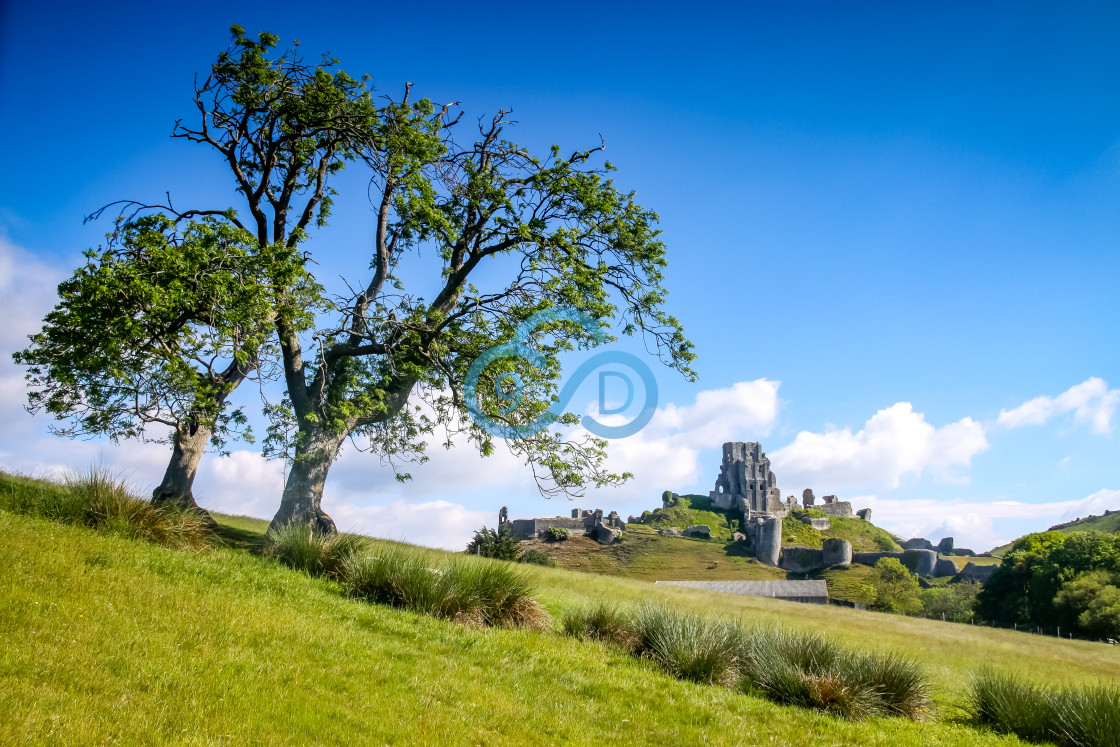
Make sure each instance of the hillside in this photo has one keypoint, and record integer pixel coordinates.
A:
(111, 640)
(642, 553)
(1109, 522)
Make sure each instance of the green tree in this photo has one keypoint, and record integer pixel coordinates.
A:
(156, 330)
(896, 589)
(499, 544)
(1054, 578)
(955, 601)
(1091, 602)
(284, 128)
(504, 235)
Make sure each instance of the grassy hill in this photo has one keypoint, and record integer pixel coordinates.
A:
(642, 553)
(1109, 522)
(105, 639)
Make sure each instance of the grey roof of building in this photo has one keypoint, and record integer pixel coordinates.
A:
(783, 589)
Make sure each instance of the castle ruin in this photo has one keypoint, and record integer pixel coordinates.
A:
(746, 483)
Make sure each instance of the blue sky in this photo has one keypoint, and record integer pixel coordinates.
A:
(898, 208)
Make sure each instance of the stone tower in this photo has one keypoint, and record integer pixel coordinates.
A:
(746, 482)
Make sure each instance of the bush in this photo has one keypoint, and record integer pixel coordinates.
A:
(316, 554)
(603, 622)
(896, 588)
(499, 545)
(557, 534)
(692, 647)
(536, 557)
(101, 500)
(1085, 716)
(470, 592)
(955, 601)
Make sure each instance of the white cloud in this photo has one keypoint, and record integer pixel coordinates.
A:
(27, 293)
(1091, 402)
(665, 455)
(894, 442)
(980, 526)
(431, 523)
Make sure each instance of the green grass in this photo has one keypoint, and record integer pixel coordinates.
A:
(691, 510)
(1110, 523)
(864, 536)
(316, 554)
(802, 669)
(1087, 716)
(644, 554)
(106, 639)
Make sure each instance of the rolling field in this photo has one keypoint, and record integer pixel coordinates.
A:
(109, 640)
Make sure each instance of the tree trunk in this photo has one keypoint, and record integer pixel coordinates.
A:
(178, 480)
(303, 492)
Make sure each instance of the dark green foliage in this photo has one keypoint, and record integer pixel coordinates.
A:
(465, 590)
(536, 557)
(499, 545)
(314, 553)
(955, 601)
(557, 534)
(895, 588)
(158, 327)
(1076, 716)
(1053, 578)
(100, 500)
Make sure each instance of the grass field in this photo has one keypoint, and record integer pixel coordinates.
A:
(109, 640)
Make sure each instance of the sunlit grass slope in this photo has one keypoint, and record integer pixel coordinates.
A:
(108, 639)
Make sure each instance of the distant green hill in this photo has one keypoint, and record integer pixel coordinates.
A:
(1109, 522)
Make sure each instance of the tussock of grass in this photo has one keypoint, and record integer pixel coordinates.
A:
(692, 647)
(800, 669)
(472, 591)
(101, 500)
(602, 622)
(809, 670)
(313, 553)
(1086, 716)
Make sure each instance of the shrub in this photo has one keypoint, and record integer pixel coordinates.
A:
(299, 547)
(536, 557)
(467, 591)
(603, 622)
(557, 534)
(692, 647)
(955, 601)
(499, 545)
(896, 588)
(1085, 716)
